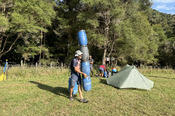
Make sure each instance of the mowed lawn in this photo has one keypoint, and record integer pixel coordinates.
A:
(43, 92)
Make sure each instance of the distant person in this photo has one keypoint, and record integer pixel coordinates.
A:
(107, 61)
(76, 75)
(114, 70)
(91, 64)
(102, 69)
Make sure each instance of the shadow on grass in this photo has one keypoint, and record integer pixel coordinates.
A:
(159, 77)
(103, 81)
(61, 91)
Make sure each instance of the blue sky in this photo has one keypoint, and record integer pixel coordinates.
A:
(165, 6)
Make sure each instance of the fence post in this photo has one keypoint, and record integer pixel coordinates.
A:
(21, 63)
(36, 65)
(51, 64)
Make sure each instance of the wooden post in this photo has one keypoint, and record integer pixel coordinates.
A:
(51, 64)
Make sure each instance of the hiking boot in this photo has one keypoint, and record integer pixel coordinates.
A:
(71, 99)
(83, 100)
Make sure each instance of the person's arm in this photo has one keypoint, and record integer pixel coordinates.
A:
(92, 61)
(78, 70)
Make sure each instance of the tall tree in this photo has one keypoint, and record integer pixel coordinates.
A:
(26, 19)
(107, 14)
(5, 8)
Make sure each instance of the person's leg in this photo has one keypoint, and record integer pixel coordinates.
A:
(79, 87)
(81, 96)
(91, 71)
(80, 91)
(102, 74)
(71, 89)
(99, 72)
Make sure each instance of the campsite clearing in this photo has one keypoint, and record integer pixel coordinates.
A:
(43, 92)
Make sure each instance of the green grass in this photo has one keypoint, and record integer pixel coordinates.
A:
(43, 92)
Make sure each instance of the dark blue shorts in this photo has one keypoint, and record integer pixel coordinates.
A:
(101, 70)
(73, 81)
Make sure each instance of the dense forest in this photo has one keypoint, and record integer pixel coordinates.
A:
(44, 31)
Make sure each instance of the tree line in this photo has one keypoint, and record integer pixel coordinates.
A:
(45, 31)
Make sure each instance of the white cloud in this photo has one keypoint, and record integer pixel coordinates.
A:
(164, 7)
(163, 1)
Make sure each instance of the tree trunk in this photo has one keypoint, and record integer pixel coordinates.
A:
(111, 47)
(41, 46)
(106, 31)
(1, 42)
(2, 52)
(104, 56)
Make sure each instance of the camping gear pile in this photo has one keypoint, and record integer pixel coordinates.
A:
(3, 75)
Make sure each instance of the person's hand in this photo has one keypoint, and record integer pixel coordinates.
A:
(85, 75)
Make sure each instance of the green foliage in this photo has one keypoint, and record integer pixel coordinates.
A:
(4, 24)
(136, 42)
(159, 33)
(167, 51)
(32, 16)
(128, 30)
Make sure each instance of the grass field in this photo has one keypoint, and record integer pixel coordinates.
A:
(43, 92)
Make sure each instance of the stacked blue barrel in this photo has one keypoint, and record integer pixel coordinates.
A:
(75, 89)
(85, 65)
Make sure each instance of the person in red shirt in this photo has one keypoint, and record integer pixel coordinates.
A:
(102, 68)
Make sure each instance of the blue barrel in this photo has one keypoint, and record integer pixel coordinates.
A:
(75, 89)
(87, 83)
(82, 38)
(85, 67)
(105, 74)
(85, 51)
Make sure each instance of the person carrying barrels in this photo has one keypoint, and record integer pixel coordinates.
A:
(76, 75)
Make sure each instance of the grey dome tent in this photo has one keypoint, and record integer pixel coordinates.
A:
(130, 77)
